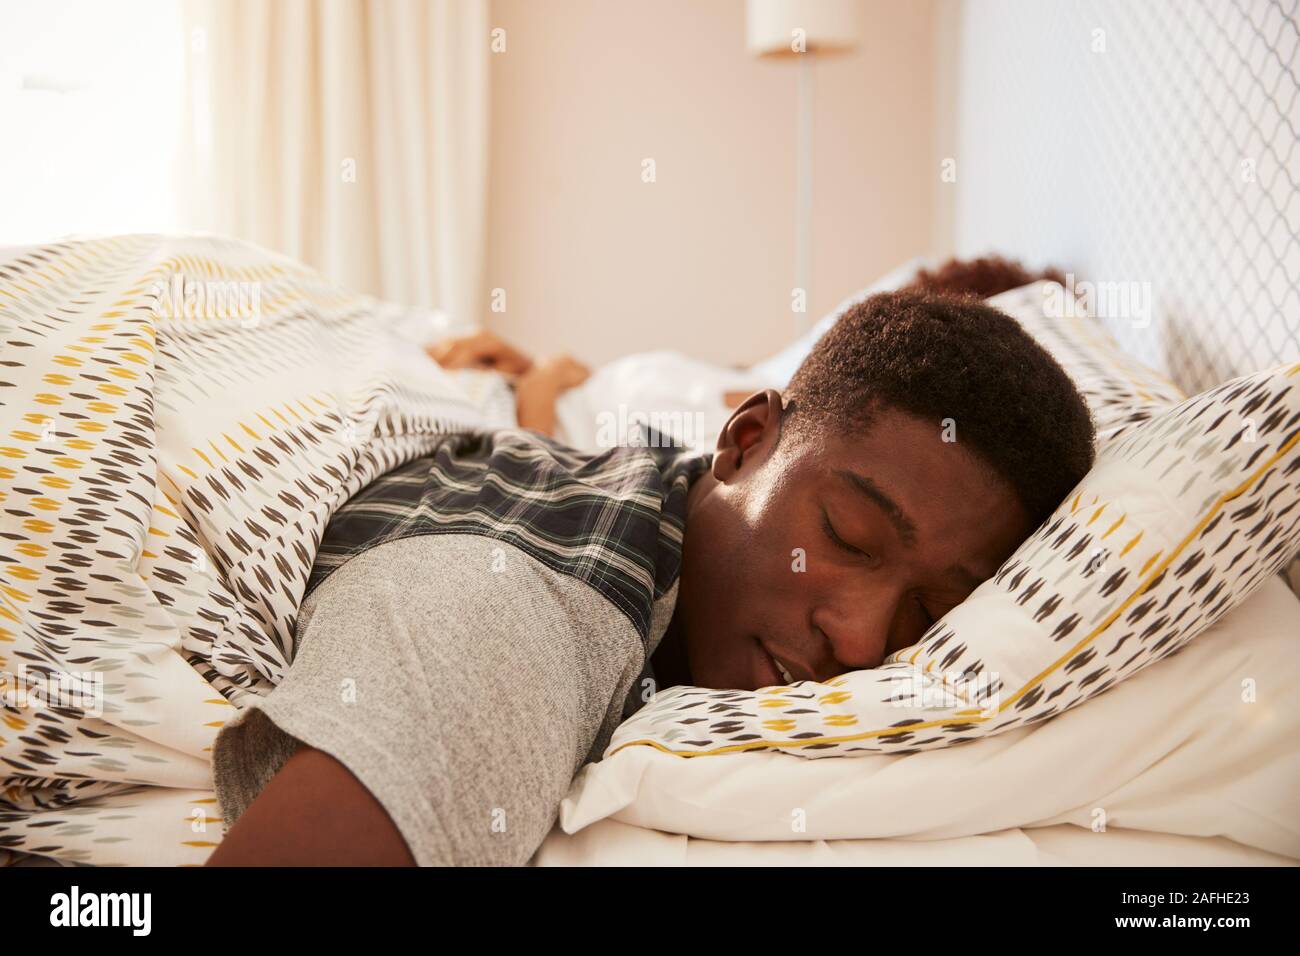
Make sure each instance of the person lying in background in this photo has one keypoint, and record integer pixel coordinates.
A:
(676, 384)
(537, 385)
(479, 620)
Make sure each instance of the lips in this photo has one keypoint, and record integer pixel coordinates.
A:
(785, 672)
(773, 672)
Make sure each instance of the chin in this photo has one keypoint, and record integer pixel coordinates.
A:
(730, 668)
(717, 675)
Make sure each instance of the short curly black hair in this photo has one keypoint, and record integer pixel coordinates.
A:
(943, 357)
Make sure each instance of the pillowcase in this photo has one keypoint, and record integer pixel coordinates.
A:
(1183, 516)
(672, 393)
(1119, 390)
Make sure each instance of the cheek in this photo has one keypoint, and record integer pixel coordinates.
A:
(761, 558)
(781, 572)
(782, 554)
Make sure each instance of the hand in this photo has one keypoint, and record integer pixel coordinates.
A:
(564, 371)
(480, 350)
(538, 389)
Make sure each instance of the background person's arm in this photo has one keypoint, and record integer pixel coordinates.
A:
(538, 385)
(540, 388)
(481, 350)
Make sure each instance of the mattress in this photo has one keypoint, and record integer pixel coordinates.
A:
(611, 843)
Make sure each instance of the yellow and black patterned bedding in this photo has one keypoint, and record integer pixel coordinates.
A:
(179, 417)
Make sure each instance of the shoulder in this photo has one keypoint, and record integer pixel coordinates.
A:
(612, 520)
(476, 581)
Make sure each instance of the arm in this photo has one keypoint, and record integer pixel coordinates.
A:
(314, 812)
(537, 384)
(538, 390)
(480, 350)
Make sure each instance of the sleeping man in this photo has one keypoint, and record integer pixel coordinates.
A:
(479, 620)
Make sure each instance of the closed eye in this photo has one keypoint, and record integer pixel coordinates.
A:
(837, 540)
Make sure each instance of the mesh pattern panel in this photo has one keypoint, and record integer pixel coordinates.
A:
(1149, 142)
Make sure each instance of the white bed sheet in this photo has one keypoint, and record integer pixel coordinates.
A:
(611, 843)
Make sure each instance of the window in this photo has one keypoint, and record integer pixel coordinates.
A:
(91, 98)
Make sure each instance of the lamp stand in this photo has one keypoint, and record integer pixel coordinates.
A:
(803, 189)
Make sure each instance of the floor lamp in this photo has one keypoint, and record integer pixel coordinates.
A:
(802, 29)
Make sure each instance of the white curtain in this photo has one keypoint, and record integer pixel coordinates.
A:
(350, 134)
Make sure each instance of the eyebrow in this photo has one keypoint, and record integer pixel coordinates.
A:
(898, 518)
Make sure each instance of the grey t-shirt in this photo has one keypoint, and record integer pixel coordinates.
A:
(465, 675)
(463, 699)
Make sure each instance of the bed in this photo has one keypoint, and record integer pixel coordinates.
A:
(611, 843)
(1190, 761)
(1195, 799)
(1190, 750)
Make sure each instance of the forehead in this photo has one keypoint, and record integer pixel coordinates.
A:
(958, 506)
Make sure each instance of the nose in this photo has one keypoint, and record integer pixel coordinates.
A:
(857, 619)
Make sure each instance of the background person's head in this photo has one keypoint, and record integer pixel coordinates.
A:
(919, 443)
(982, 278)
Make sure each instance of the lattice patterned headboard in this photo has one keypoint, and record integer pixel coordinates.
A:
(1144, 145)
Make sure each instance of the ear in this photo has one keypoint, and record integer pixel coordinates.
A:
(749, 435)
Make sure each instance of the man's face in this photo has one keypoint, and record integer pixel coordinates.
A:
(825, 555)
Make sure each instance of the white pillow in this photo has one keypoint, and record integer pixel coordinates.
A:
(676, 395)
(1119, 390)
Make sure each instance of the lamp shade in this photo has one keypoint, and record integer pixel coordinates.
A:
(788, 27)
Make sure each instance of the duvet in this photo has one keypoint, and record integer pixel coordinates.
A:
(180, 419)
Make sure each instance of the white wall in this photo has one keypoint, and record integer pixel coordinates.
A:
(1142, 142)
(596, 262)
